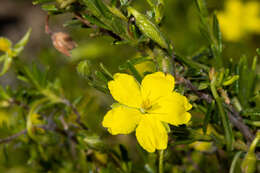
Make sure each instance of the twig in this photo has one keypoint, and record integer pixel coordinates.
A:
(45, 127)
(70, 134)
(234, 116)
(47, 28)
(74, 109)
(188, 83)
(102, 30)
(10, 138)
(86, 22)
(238, 122)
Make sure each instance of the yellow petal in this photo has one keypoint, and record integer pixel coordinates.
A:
(157, 85)
(121, 120)
(151, 134)
(172, 109)
(5, 44)
(125, 89)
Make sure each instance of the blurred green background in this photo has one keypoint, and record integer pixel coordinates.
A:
(181, 25)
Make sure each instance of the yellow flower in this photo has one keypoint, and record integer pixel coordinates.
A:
(146, 108)
(5, 45)
(239, 18)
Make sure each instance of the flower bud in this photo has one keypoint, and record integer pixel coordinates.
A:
(249, 163)
(94, 141)
(63, 42)
(84, 68)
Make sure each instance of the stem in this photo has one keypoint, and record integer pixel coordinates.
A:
(10, 138)
(161, 161)
(225, 121)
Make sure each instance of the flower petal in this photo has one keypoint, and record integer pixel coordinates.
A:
(157, 85)
(121, 120)
(125, 89)
(172, 109)
(151, 134)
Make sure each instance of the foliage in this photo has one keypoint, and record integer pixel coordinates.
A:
(56, 132)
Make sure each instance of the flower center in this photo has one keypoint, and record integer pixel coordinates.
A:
(146, 105)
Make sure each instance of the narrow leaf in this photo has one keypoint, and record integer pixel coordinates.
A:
(20, 45)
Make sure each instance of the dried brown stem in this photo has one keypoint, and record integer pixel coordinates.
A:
(47, 28)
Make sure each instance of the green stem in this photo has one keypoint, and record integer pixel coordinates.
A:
(161, 161)
(224, 118)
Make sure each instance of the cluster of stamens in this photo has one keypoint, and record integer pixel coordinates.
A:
(146, 105)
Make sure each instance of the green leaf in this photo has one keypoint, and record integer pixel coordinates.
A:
(32, 118)
(65, 3)
(50, 8)
(95, 21)
(113, 3)
(217, 32)
(246, 83)
(201, 6)
(234, 162)
(5, 44)
(123, 2)
(6, 65)
(229, 137)
(152, 3)
(135, 61)
(102, 77)
(104, 9)
(106, 72)
(42, 1)
(100, 10)
(93, 7)
(258, 51)
(18, 48)
(72, 23)
(230, 80)
(148, 28)
(207, 116)
(159, 11)
(134, 71)
(3, 94)
(3, 57)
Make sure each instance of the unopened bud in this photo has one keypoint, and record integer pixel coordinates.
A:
(63, 42)
(249, 163)
(94, 141)
(84, 68)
